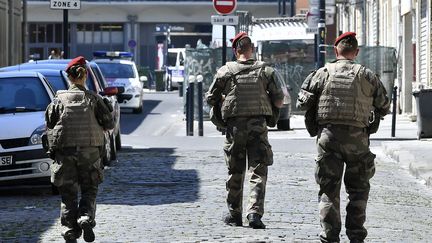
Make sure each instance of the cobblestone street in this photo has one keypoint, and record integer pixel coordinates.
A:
(166, 195)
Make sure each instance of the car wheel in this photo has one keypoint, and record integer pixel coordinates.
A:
(283, 125)
(118, 140)
(138, 110)
(113, 148)
(106, 160)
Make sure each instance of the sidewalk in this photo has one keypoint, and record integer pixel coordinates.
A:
(410, 153)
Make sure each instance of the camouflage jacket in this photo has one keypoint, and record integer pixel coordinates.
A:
(316, 84)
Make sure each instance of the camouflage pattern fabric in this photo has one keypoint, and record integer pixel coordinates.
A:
(339, 145)
(246, 137)
(77, 169)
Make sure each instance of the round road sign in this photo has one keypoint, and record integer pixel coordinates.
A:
(224, 6)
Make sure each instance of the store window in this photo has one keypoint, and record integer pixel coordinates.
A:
(58, 33)
(41, 32)
(105, 33)
(45, 33)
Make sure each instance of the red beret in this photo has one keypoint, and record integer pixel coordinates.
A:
(238, 37)
(76, 61)
(344, 35)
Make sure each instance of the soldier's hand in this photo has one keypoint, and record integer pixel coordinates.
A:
(51, 154)
(108, 104)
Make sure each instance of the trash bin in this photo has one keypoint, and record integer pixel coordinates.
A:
(424, 113)
(160, 84)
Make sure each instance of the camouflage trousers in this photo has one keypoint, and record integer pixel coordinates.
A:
(77, 170)
(339, 145)
(246, 137)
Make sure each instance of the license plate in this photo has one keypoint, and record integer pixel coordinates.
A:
(6, 160)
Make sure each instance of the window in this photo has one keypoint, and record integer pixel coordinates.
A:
(107, 33)
(58, 34)
(33, 33)
(27, 92)
(50, 33)
(57, 82)
(41, 31)
(117, 70)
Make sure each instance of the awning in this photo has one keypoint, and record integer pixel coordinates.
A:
(280, 30)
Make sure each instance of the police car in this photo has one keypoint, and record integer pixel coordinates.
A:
(120, 71)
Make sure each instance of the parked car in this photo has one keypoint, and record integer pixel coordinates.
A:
(119, 70)
(57, 78)
(92, 83)
(285, 111)
(114, 102)
(24, 97)
(175, 67)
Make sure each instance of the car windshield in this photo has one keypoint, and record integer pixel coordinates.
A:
(21, 94)
(172, 59)
(117, 70)
(57, 82)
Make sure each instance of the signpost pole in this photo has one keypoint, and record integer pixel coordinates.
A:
(321, 34)
(224, 44)
(65, 33)
(65, 5)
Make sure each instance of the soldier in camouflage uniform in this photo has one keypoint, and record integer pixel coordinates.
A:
(247, 90)
(344, 94)
(76, 120)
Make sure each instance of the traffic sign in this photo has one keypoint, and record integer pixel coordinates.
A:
(224, 6)
(65, 4)
(132, 43)
(313, 30)
(224, 20)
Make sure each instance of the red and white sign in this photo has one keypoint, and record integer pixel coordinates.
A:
(224, 6)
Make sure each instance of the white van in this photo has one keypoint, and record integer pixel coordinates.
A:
(175, 67)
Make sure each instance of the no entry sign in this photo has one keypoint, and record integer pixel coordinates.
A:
(224, 6)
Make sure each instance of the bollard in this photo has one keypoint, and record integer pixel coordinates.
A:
(187, 110)
(180, 88)
(200, 105)
(190, 107)
(393, 129)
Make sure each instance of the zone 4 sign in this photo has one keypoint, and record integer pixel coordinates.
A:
(65, 4)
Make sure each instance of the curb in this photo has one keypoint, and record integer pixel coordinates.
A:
(420, 168)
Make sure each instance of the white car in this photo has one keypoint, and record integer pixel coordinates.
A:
(24, 97)
(120, 72)
(175, 67)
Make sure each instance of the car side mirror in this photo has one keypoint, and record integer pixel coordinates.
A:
(143, 79)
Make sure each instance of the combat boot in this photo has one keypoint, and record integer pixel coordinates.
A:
(71, 234)
(233, 220)
(255, 221)
(86, 225)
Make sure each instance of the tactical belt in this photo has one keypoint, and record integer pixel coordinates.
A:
(342, 126)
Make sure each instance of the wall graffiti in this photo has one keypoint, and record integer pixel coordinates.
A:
(202, 62)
